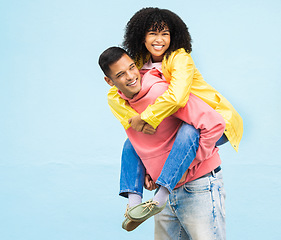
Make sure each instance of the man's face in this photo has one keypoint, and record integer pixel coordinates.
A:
(125, 76)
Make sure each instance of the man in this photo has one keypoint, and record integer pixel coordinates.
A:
(195, 207)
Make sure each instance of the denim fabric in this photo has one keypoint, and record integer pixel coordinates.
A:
(194, 211)
(222, 140)
(132, 171)
(182, 154)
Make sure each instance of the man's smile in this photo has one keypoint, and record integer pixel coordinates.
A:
(132, 83)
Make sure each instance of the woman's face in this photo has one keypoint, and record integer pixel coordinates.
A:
(157, 43)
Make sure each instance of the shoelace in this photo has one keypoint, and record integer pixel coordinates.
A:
(150, 205)
(126, 212)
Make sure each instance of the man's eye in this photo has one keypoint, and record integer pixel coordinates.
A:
(120, 75)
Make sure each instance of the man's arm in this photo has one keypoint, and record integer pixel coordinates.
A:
(125, 114)
(141, 126)
(149, 184)
(210, 123)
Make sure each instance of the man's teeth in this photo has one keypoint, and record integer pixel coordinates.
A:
(132, 83)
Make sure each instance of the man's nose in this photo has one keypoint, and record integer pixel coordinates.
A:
(129, 75)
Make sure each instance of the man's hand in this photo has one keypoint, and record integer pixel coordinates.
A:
(137, 123)
(148, 129)
(141, 126)
(149, 184)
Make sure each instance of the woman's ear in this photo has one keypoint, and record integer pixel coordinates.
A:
(109, 81)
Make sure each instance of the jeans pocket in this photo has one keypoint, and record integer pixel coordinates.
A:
(197, 186)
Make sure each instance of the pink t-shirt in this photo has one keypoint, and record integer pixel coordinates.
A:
(154, 149)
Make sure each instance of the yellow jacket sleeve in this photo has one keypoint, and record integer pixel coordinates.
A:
(181, 72)
(174, 98)
(119, 107)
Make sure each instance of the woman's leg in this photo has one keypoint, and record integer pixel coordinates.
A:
(222, 140)
(182, 154)
(132, 171)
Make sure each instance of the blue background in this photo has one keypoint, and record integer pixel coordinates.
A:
(60, 145)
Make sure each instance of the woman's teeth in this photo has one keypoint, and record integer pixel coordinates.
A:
(158, 47)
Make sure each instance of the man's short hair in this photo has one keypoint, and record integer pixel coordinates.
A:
(109, 57)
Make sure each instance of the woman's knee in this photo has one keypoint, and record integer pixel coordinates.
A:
(189, 130)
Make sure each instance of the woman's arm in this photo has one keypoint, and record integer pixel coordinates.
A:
(120, 108)
(181, 68)
(125, 114)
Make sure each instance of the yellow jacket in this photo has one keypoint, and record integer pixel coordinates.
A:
(180, 71)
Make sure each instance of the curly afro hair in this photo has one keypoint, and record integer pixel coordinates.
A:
(155, 19)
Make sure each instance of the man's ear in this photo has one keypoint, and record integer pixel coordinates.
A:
(109, 81)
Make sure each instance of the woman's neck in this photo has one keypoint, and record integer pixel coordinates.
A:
(156, 60)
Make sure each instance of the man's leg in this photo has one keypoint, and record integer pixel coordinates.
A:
(167, 225)
(199, 207)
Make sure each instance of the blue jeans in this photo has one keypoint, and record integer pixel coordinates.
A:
(182, 154)
(194, 211)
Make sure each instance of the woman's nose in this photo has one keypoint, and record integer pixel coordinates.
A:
(159, 36)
